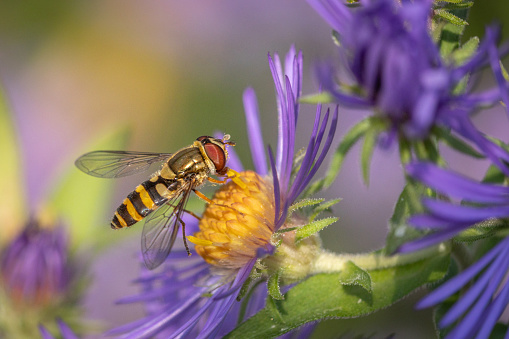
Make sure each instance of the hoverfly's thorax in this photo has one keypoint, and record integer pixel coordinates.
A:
(186, 161)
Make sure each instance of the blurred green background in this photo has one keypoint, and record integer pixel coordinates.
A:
(172, 71)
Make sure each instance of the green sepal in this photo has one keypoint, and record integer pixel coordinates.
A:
(354, 275)
(504, 71)
(367, 154)
(12, 198)
(348, 141)
(336, 38)
(322, 297)
(85, 202)
(323, 207)
(451, 32)
(317, 98)
(273, 287)
(455, 143)
(481, 230)
(466, 51)
(409, 203)
(304, 203)
(453, 1)
(313, 227)
(448, 16)
(494, 176)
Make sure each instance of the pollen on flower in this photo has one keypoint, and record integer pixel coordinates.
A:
(240, 220)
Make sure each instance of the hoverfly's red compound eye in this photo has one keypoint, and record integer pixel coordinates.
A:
(216, 154)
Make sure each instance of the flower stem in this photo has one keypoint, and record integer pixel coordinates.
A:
(328, 262)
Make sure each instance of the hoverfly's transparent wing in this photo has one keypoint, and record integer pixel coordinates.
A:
(116, 164)
(161, 227)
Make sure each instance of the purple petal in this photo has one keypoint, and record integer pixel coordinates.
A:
(476, 314)
(45, 333)
(486, 285)
(334, 12)
(240, 278)
(65, 330)
(495, 311)
(277, 194)
(455, 284)
(426, 221)
(429, 240)
(453, 184)
(254, 132)
(463, 213)
(497, 70)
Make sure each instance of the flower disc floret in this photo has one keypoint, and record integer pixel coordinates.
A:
(238, 222)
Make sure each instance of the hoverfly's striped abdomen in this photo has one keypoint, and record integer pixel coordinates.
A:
(139, 203)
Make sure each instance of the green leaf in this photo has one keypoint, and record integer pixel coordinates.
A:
(367, 154)
(12, 198)
(349, 140)
(354, 275)
(321, 297)
(455, 143)
(85, 202)
(313, 227)
(273, 287)
(409, 203)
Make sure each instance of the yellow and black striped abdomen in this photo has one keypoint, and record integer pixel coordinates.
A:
(146, 198)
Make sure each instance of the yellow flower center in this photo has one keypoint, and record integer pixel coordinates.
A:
(240, 221)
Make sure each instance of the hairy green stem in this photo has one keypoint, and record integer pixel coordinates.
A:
(328, 262)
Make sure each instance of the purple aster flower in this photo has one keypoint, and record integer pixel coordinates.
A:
(196, 297)
(397, 71)
(483, 284)
(34, 267)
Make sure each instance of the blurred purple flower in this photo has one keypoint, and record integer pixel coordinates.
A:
(398, 72)
(487, 291)
(195, 297)
(34, 267)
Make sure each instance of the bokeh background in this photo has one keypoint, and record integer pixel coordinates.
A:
(170, 71)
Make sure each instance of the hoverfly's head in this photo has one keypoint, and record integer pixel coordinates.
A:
(216, 151)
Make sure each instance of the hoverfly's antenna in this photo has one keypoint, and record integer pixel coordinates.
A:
(226, 141)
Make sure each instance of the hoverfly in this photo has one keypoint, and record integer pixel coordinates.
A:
(162, 199)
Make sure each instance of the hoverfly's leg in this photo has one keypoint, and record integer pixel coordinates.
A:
(184, 236)
(215, 181)
(208, 201)
(190, 213)
(202, 196)
(233, 175)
